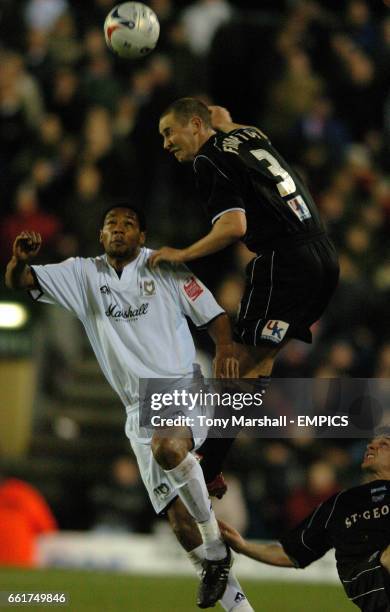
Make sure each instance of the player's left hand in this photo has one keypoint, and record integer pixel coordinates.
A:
(166, 254)
(220, 117)
(225, 364)
(232, 537)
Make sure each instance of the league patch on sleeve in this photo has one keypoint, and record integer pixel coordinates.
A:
(192, 288)
(274, 331)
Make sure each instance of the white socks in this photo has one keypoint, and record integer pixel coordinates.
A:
(212, 539)
(188, 479)
(233, 597)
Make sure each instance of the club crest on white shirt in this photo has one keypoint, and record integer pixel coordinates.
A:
(148, 288)
(105, 289)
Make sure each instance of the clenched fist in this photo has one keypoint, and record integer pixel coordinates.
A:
(26, 246)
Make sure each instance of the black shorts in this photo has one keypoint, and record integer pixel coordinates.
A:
(286, 291)
(368, 586)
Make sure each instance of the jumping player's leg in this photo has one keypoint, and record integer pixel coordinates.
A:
(168, 469)
(285, 293)
(256, 363)
(185, 475)
(188, 534)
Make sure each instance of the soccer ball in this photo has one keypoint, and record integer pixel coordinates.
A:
(131, 29)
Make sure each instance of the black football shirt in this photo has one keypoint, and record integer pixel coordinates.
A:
(241, 170)
(355, 522)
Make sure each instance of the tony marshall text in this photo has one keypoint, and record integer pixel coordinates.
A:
(242, 421)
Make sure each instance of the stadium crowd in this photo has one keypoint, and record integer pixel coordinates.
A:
(79, 128)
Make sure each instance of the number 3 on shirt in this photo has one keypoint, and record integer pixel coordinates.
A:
(286, 186)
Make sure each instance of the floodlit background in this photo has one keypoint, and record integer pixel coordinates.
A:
(78, 128)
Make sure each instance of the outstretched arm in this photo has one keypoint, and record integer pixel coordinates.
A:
(271, 554)
(229, 228)
(18, 273)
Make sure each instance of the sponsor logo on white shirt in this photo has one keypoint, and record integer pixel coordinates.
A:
(126, 314)
(192, 288)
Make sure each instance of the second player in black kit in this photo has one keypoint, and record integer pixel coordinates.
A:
(356, 523)
(291, 280)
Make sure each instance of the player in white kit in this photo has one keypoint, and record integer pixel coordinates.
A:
(134, 318)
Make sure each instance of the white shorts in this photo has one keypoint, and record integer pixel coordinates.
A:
(160, 491)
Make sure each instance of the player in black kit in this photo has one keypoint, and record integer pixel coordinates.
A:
(355, 522)
(252, 194)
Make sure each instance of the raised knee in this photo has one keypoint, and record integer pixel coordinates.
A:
(168, 452)
(385, 558)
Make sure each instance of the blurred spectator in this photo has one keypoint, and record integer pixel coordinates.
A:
(187, 69)
(28, 214)
(19, 89)
(321, 140)
(125, 117)
(50, 135)
(278, 470)
(382, 56)
(100, 87)
(354, 86)
(43, 14)
(98, 148)
(201, 20)
(342, 358)
(321, 484)
(232, 507)
(24, 515)
(292, 95)
(64, 99)
(120, 504)
(359, 25)
(85, 208)
(64, 47)
(341, 460)
(383, 365)
(37, 57)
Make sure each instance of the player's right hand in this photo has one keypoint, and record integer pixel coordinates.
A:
(26, 246)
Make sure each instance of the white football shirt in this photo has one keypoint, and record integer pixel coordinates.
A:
(136, 323)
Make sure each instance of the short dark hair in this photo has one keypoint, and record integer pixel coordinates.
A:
(138, 212)
(185, 108)
(382, 431)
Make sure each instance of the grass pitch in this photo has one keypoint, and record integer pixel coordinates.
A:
(95, 591)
